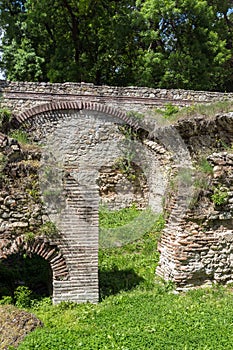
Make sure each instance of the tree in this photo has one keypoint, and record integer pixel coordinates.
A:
(86, 40)
(168, 43)
(186, 44)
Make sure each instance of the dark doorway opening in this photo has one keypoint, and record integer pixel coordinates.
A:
(32, 271)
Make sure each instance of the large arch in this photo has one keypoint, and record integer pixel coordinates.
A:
(64, 124)
(72, 105)
(79, 214)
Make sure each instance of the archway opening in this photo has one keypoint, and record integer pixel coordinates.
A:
(124, 218)
(32, 271)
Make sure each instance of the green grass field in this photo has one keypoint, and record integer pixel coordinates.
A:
(137, 311)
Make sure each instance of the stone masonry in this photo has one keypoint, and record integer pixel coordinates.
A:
(83, 138)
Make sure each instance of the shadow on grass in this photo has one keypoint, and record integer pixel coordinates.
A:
(115, 281)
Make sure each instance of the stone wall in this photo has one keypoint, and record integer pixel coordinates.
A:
(73, 149)
(20, 208)
(122, 185)
(19, 96)
(88, 149)
(23, 221)
(196, 246)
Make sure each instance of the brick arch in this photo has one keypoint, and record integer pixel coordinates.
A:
(42, 248)
(75, 105)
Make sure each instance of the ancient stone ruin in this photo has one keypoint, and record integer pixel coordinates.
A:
(90, 146)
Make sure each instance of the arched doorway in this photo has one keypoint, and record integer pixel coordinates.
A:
(76, 141)
(31, 271)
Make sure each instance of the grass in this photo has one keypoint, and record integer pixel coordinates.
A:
(20, 136)
(172, 113)
(116, 218)
(154, 319)
(207, 110)
(126, 225)
(137, 311)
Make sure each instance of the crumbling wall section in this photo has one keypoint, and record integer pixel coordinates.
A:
(196, 246)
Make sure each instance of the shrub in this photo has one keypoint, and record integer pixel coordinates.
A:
(48, 229)
(23, 296)
(170, 111)
(5, 118)
(29, 236)
(6, 300)
(219, 196)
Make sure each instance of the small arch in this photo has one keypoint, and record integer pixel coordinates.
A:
(32, 271)
(43, 248)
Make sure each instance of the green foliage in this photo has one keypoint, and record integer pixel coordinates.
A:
(20, 136)
(5, 114)
(22, 297)
(6, 300)
(114, 218)
(126, 166)
(125, 163)
(41, 303)
(125, 230)
(185, 44)
(128, 131)
(205, 167)
(136, 311)
(22, 62)
(196, 110)
(170, 111)
(219, 196)
(34, 193)
(139, 320)
(48, 229)
(132, 265)
(5, 118)
(207, 110)
(183, 39)
(29, 236)
(86, 41)
(204, 172)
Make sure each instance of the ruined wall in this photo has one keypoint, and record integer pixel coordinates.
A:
(196, 247)
(74, 148)
(25, 227)
(19, 96)
(83, 160)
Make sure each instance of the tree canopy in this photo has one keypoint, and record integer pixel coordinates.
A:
(157, 43)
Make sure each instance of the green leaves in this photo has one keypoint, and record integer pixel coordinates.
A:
(192, 43)
(219, 196)
(22, 62)
(168, 44)
(134, 320)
